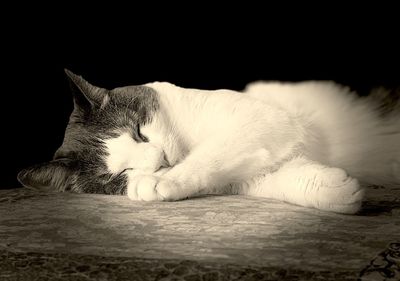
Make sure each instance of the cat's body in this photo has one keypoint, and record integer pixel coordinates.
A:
(304, 143)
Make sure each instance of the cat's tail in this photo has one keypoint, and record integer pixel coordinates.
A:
(376, 146)
(360, 135)
(387, 104)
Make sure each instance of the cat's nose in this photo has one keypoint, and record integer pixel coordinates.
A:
(164, 162)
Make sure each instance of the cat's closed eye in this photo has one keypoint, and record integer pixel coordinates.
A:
(60, 155)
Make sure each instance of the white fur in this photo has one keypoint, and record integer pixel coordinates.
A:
(348, 132)
(293, 142)
(124, 152)
(311, 184)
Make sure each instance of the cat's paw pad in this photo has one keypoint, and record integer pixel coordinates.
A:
(143, 188)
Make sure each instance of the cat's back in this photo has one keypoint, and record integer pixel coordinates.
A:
(321, 98)
(214, 104)
(327, 106)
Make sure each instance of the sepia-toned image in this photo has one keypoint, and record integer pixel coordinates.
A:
(180, 152)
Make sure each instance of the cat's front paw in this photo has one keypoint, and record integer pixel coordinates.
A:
(172, 191)
(154, 188)
(143, 188)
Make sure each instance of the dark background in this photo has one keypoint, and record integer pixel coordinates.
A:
(209, 53)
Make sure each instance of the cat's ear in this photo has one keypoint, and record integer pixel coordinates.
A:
(86, 96)
(56, 175)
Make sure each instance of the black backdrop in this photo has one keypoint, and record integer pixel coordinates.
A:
(36, 101)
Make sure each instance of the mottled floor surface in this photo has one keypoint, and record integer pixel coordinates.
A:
(62, 236)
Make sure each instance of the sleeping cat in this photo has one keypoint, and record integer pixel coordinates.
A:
(307, 143)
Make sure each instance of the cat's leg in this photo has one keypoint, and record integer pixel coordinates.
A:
(308, 183)
(209, 166)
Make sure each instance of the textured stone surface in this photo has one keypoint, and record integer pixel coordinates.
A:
(206, 238)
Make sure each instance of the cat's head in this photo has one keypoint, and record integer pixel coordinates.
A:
(101, 141)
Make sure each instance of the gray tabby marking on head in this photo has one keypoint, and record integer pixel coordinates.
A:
(99, 114)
